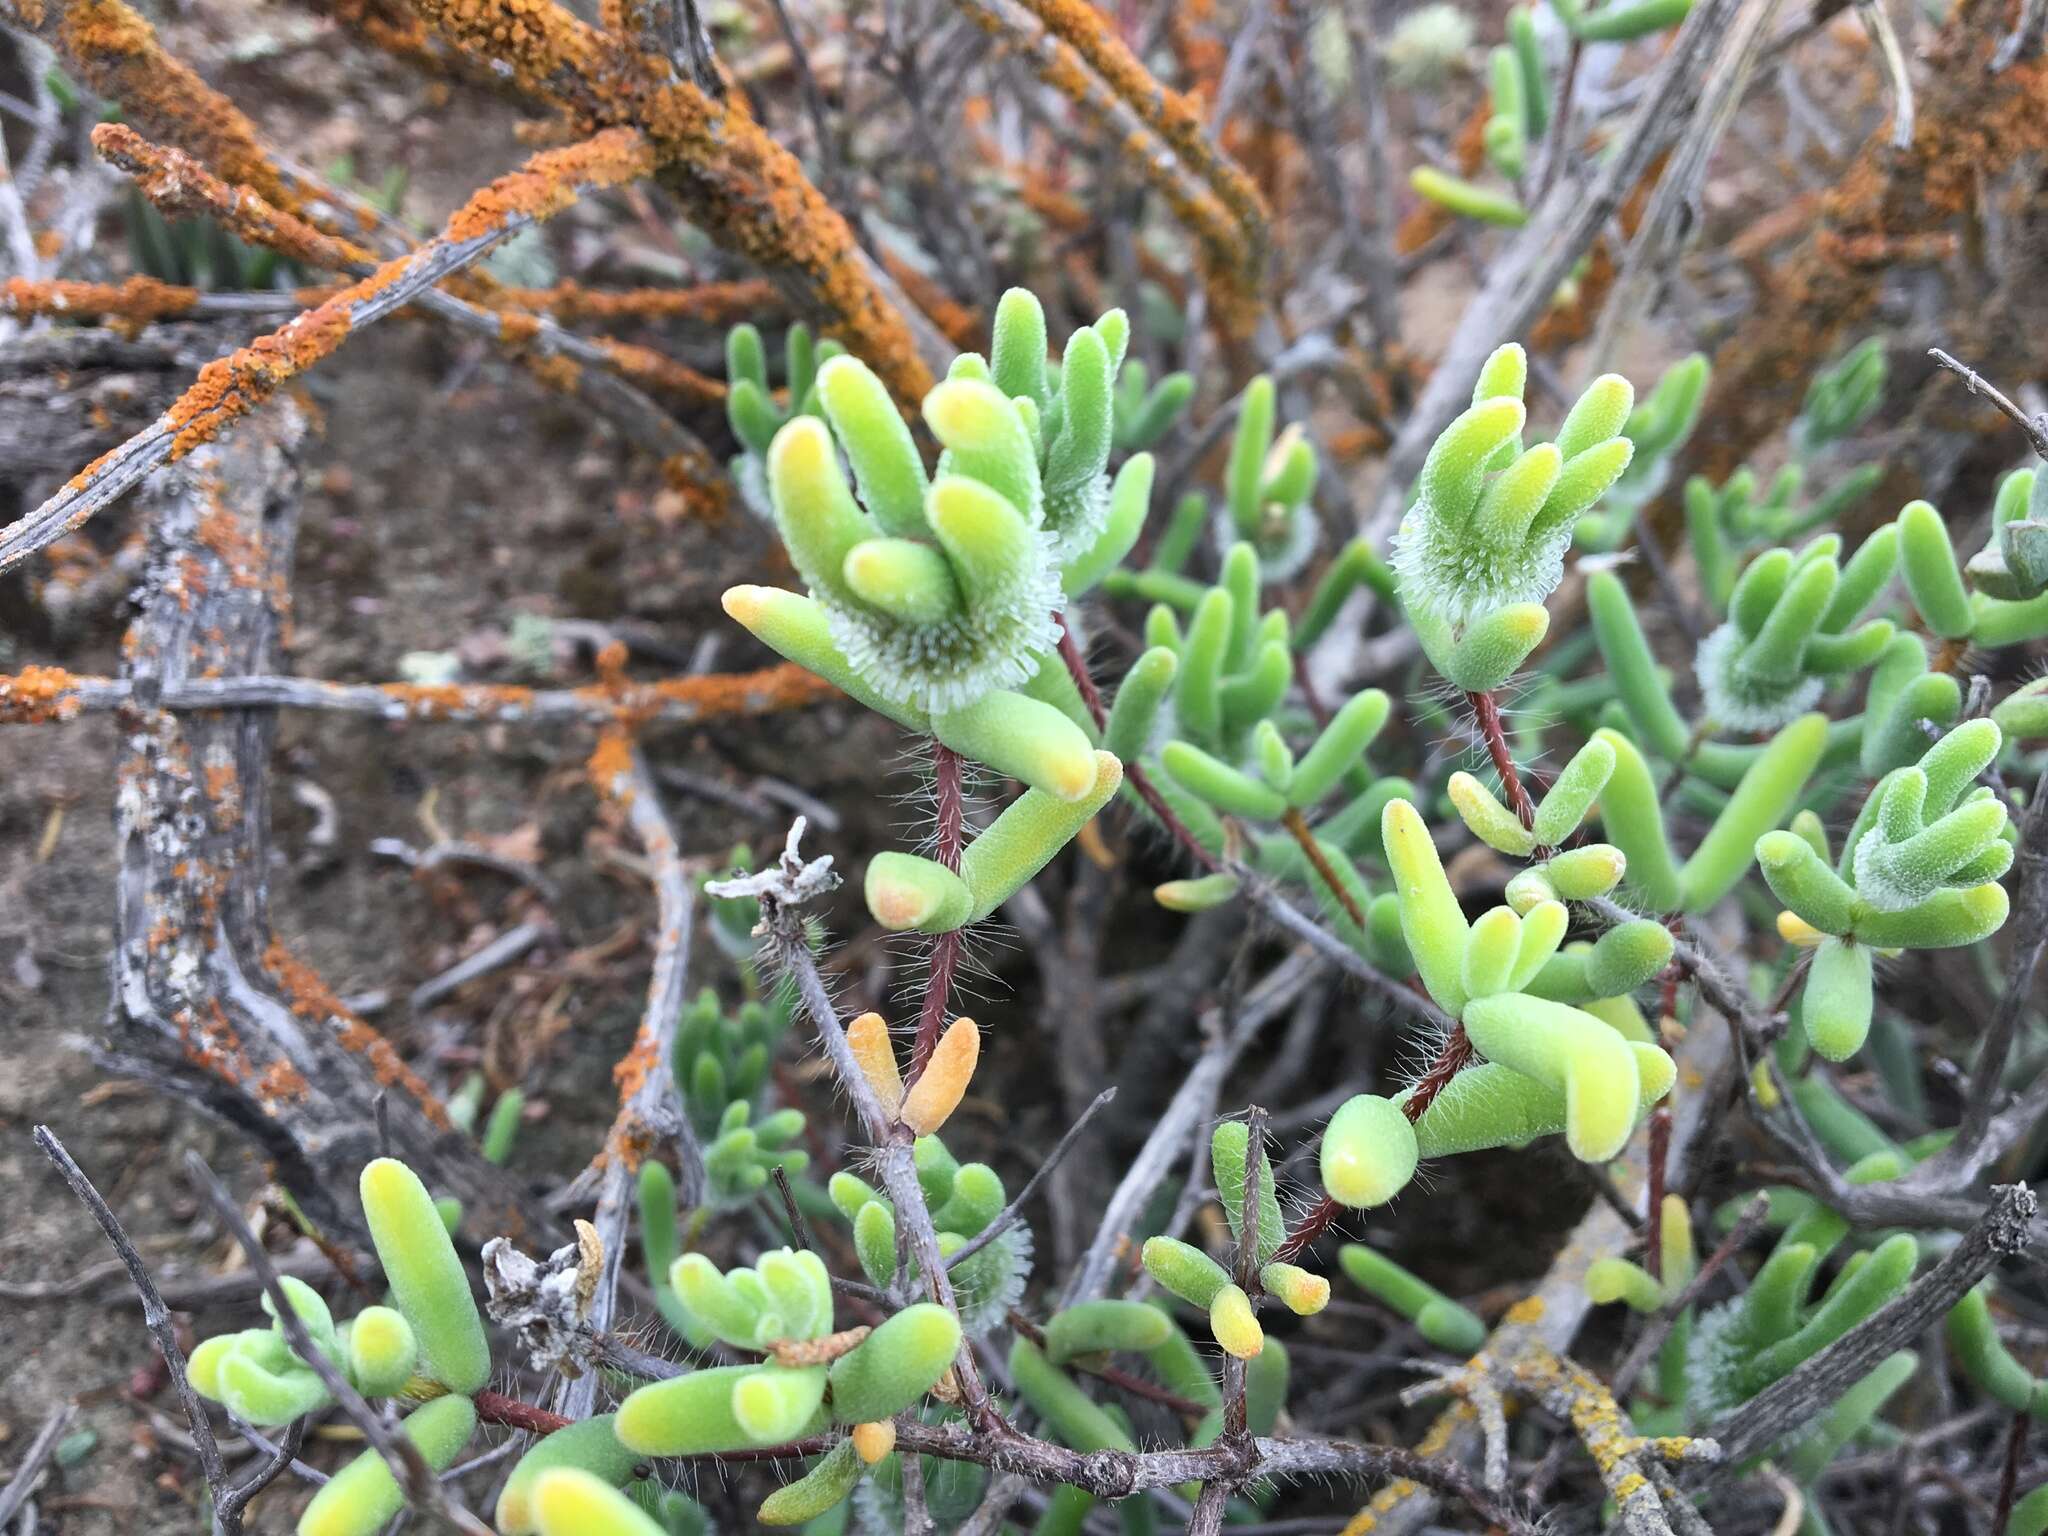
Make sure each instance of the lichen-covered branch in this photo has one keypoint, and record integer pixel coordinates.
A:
(230, 387)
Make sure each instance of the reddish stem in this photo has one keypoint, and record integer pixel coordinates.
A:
(1077, 668)
(1313, 852)
(1313, 1224)
(1456, 1055)
(1496, 740)
(952, 818)
(1660, 1159)
(497, 1408)
(1134, 773)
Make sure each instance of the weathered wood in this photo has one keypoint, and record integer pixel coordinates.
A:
(207, 1003)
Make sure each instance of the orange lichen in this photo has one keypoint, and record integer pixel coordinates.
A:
(310, 999)
(180, 185)
(1971, 126)
(117, 53)
(744, 188)
(232, 386)
(1167, 113)
(131, 304)
(551, 181)
(38, 696)
(662, 375)
(961, 325)
(706, 303)
(610, 765)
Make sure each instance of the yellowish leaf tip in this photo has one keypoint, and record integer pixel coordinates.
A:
(937, 1093)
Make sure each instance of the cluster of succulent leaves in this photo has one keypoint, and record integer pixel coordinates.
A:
(965, 1198)
(1520, 77)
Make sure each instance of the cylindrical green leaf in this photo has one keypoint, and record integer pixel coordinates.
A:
(908, 893)
(358, 1499)
(1432, 921)
(1928, 561)
(1632, 666)
(382, 1351)
(1627, 956)
(1104, 1327)
(886, 464)
(589, 1446)
(1767, 794)
(1633, 818)
(1368, 1152)
(820, 1490)
(1220, 784)
(1184, 1270)
(427, 1280)
(1074, 1418)
(895, 1365)
(1567, 1049)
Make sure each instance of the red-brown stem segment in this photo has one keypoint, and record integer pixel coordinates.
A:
(1134, 773)
(1315, 1221)
(1456, 1055)
(1313, 852)
(497, 1408)
(1496, 740)
(952, 818)
(1077, 668)
(1660, 1158)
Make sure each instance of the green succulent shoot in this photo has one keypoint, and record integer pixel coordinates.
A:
(2013, 564)
(753, 412)
(1795, 621)
(1481, 972)
(1842, 396)
(780, 1305)
(1442, 1321)
(1919, 870)
(1144, 412)
(1269, 483)
(1659, 426)
(965, 1198)
(1485, 541)
(933, 596)
(1521, 96)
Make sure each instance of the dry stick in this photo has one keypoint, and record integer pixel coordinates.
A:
(1523, 281)
(423, 1489)
(782, 921)
(1800, 1397)
(1268, 900)
(651, 1110)
(1013, 1212)
(156, 1317)
(2009, 1477)
(40, 1449)
(179, 185)
(2036, 428)
(1661, 227)
(232, 386)
(42, 694)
